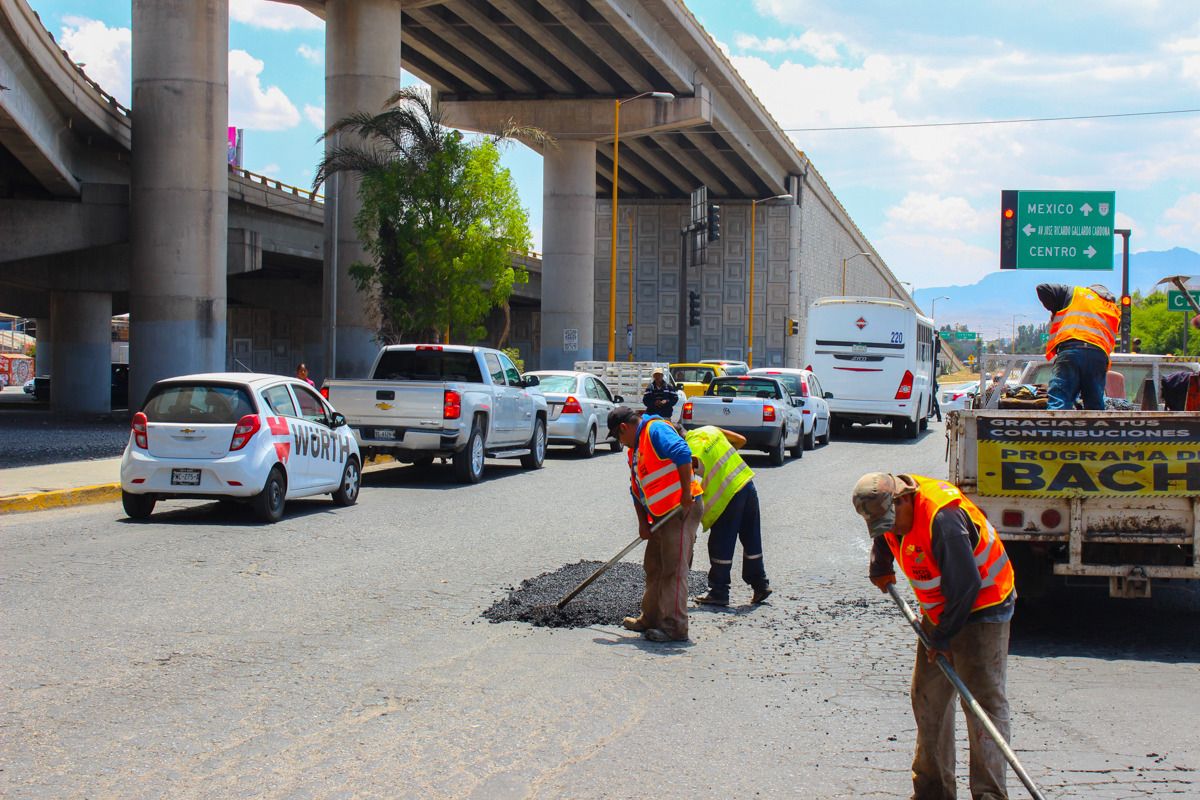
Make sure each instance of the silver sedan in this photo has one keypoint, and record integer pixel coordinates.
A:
(578, 404)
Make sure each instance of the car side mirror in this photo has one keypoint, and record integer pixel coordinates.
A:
(338, 420)
(829, 395)
(618, 399)
(530, 381)
(798, 402)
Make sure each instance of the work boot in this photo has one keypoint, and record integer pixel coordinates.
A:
(634, 624)
(761, 593)
(712, 599)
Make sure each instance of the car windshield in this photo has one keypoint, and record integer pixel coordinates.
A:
(195, 403)
(744, 387)
(556, 383)
(692, 374)
(428, 365)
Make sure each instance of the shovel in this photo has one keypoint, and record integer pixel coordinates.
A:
(608, 565)
(968, 699)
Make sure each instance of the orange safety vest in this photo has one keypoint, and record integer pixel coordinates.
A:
(1089, 318)
(914, 551)
(654, 479)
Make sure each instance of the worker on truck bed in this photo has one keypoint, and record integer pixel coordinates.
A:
(957, 566)
(660, 398)
(730, 513)
(1083, 332)
(665, 493)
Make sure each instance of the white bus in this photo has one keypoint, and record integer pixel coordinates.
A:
(875, 356)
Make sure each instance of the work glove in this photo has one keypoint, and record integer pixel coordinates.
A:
(884, 581)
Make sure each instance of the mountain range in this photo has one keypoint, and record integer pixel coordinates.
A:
(989, 304)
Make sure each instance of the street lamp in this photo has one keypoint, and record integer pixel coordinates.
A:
(844, 262)
(909, 284)
(753, 227)
(612, 270)
(933, 306)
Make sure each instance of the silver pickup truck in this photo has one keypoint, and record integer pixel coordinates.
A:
(755, 406)
(429, 400)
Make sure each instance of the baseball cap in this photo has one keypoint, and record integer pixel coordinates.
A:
(657, 372)
(619, 415)
(874, 497)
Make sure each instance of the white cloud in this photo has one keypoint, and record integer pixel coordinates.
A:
(105, 51)
(932, 212)
(1181, 223)
(270, 170)
(250, 105)
(313, 55)
(273, 16)
(933, 260)
(822, 47)
(315, 115)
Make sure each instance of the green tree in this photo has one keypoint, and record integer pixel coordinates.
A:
(1160, 329)
(440, 218)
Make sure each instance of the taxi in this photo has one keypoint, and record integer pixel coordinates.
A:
(694, 379)
(257, 439)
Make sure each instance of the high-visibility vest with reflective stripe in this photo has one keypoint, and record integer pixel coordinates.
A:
(655, 479)
(725, 473)
(914, 552)
(1089, 318)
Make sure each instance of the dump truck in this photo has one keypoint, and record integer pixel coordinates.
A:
(1085, 496)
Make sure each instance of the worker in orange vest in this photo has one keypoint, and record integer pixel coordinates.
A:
(666, 493)
(1083, 332)
(960, 573)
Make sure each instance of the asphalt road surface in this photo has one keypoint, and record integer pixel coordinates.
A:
(341, 653)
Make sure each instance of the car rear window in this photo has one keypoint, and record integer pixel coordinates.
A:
(735, 369)
(744, 387)
(205, 403)
(428, 365)
(692, 374)
(793, 384)
(556, 383)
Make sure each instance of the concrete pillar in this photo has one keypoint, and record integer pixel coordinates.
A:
(179, 205)
(362, 69)
(81, 325)
(44, 361)
(793, 346)
(569, 253)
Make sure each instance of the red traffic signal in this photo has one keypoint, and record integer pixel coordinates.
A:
(1008, 213)
(1125, 300)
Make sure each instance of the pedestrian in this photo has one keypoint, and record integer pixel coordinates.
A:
(960, 573)
(660, 398)
(665, 493)
(937, 357)
(730, 513)
(1083, 333)
(302, 374)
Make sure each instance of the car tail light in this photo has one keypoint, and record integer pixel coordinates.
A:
(429, 347)
(957, 396)
(809, 368)
(325, 392)
(246, 428)
(1051, 518)
(905, 390)
(572, 406)
(1012, 519)
(687, 410)
(768, 413)
(138, 425)
(451, 404)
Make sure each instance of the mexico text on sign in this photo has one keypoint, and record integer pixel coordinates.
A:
(1056, 230)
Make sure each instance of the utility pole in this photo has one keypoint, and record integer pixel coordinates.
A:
(1126, 307)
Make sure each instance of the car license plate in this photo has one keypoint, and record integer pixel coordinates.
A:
(859, 349)
(385, 433)
(185, 477)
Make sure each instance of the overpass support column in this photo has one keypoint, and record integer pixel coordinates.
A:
(568, 252)
(179, 204)
(81, 325)
(44, 361)
(362, 69)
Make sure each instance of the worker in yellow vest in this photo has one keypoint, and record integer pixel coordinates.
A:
(730, 513)
(958, 569)
(665, 493)
(1083, 332)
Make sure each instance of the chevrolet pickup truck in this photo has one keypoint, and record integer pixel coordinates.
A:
(755, 406)
(429, 400)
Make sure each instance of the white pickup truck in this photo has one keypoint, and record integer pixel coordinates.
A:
(757, 407)
(429, 400)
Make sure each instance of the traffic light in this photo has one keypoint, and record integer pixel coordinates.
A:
(693, 308)
(714, 222)
(793, 327)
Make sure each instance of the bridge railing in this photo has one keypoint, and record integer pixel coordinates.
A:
(272, 183)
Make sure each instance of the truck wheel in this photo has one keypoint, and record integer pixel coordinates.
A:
(537, 447)
(776, 453)
(923, 416)
(911, 429)
(347, 493)
(268, 504)
(468, 462)
(588, 448)
(138, 506)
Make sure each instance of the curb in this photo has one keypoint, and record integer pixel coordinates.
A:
(89, 495)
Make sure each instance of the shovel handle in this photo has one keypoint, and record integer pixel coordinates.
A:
(608, 565)
(968, 698)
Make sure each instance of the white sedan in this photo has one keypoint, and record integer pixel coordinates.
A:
(956, 397)
(578, 404)
(806, 391)
(260, 439)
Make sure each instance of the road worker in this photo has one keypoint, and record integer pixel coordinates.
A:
(730, 513)
(660, 398)
(668, 503)
(1083, 332)
(957, 566)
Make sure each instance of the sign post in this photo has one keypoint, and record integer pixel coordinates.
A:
(1056, 230)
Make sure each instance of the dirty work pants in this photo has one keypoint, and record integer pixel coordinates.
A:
(1078, 371)
(980, 653)
(667, 562)
(739, 521)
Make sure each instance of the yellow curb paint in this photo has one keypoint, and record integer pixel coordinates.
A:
(60, 498)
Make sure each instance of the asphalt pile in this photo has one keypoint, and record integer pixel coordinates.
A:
(614, 595)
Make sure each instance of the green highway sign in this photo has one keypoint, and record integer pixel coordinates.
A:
(1045, 337)
(1177, 302)
(946, 334)
(966, 335)
(1056, 230)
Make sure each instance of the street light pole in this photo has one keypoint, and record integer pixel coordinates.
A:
(845, 261)
(1126, 309)
(612, 248)
(933, 306)
(753, 248)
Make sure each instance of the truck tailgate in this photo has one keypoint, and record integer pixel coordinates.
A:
(736, 412)
(370, 406)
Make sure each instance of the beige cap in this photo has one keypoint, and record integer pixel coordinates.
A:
(873, 498)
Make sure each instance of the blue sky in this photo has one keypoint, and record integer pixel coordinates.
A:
(926, 198)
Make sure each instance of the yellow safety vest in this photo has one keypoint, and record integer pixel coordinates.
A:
(725, 473)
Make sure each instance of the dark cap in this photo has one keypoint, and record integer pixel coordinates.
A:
(619, 415)
(874, 497)
(1102, 290)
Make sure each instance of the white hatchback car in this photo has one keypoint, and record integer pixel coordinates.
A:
(261, 439)
(806, 390)
(578, 404)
